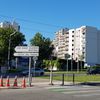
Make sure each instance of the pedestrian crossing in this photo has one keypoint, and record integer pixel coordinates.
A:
(77, 91)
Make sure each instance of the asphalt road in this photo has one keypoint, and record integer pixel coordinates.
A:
(52, 93)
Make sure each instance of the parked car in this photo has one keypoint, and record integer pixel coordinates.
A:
(93, 70)
(34, 72)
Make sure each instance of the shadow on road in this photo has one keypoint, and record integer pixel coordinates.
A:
(91, 83)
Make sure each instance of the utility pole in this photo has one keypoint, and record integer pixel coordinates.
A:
(9, 46)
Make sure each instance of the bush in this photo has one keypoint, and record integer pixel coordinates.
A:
(14, 70)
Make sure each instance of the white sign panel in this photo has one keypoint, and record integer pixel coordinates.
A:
(27, 48)
(26, 54)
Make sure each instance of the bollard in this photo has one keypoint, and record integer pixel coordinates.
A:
(62, 80)
(23, 83)
(73, 78)
(15, 84)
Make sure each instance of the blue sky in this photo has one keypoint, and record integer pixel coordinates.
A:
(48, 16)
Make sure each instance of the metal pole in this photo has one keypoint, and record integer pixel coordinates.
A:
(30, 71)
(73, 78)
(78, 66)
(67, 65)
(16, 62)
(9, 49)
(34, 67)
(71, 64)
(9, 52)
(62, 79)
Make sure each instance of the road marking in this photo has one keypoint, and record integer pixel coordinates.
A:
(81, 91)
(87, 95)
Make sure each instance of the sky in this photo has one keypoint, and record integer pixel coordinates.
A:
(49, 16)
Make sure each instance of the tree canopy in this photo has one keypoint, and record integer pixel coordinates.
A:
(17, 39)
(45, 48)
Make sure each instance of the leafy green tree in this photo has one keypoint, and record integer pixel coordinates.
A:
(57, 64)
(53, 63)
(45, 48)
(17, 39)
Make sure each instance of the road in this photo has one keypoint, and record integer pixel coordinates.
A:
(48, 92)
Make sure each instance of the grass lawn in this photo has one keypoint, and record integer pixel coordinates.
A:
(79, 77)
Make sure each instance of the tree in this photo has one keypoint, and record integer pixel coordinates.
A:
(50, 64)
(17, 39)
(55, 63)
(45, 48)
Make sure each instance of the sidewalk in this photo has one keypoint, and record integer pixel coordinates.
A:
(35, 82)
(44, 82)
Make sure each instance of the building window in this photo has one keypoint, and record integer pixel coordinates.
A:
(67, 41)
(66, 49)
(72, 31)
(72, 44)
(83, 33)
(72, 35)
(67, 33)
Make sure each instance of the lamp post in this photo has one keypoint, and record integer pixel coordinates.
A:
(9, 49)
(67, 56)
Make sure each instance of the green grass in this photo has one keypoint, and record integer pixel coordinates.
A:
(79, 77)
(69, 72)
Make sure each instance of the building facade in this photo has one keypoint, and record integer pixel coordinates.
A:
(82, 44)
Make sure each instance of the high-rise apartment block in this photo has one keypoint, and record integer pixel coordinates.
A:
(81, 44)
(7, 24)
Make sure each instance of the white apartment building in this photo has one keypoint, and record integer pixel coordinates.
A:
(7, 24)
(81, 44)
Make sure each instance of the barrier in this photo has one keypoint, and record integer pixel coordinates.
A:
(15, 82)
(7, 82)
(23, 83)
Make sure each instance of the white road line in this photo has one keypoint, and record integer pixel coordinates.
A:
(87, 95)
(82, 91)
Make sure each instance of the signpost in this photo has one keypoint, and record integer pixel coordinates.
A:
(28, 51)
(34, 54)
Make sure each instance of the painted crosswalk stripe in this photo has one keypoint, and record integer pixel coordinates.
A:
(87, 95)
(81, 91)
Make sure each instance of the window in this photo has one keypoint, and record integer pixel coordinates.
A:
(72, 35)
(66, 49)
(83, 47)
(83, 33)
(67, 33)
(72, 31)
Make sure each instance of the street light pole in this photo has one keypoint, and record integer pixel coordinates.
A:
(9, 49)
